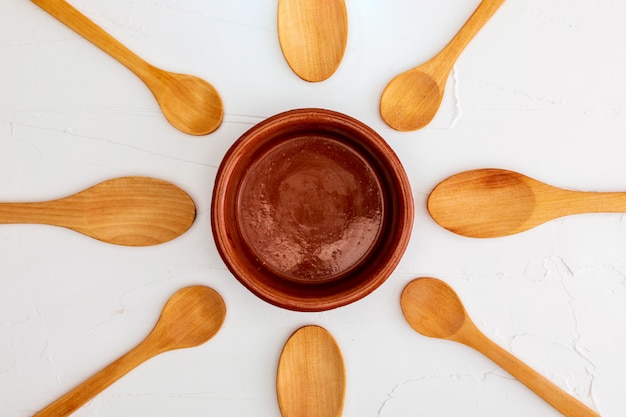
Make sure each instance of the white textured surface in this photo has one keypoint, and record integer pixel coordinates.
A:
(541, 90)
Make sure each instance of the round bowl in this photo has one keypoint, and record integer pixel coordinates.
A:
(311, 210)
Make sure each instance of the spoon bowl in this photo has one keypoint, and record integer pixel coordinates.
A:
(503, 202)
(129, 211)
(432, 308)
(189, 103)
(313, 36)
(191, 317)
(411, 100)
(311, 376)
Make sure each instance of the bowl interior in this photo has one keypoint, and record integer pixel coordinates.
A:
(311, 210)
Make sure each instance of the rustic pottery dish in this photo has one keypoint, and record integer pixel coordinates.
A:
(311, 210)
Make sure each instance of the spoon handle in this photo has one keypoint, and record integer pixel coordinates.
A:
(75, 20)
(555, 396)
(577, 202)
(97, 383)
(485, 10)
(55, 213)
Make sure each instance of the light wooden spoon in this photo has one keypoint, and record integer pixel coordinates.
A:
(130, 211)
(189, 103)
(496, 202)
(433, 309)
(190, 317)
(311, 377)
(411, 100)
(313, 36)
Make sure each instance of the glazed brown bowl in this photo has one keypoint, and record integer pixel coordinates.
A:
(311, 210)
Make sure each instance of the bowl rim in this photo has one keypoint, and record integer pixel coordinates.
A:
(398, 220)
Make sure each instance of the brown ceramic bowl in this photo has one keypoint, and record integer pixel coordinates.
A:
(311, 210)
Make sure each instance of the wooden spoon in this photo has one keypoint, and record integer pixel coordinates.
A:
(190, 317)
(311, 377)
(411, 99)
(433, 309)
(497, 202)
(189, 103)
(313, 36)
(130, 211)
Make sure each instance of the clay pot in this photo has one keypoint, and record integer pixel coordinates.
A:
(311, 210)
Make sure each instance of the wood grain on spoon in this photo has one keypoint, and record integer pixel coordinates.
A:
(491, 202)
(189, 103)
(313, 36)
(190, 317)
(433, 309)
(130, 211)
(411, 100)
(311, 379)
